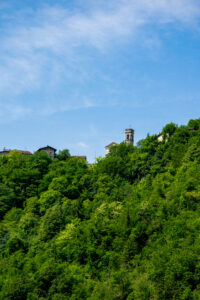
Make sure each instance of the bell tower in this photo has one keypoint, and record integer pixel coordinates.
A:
(129, 136)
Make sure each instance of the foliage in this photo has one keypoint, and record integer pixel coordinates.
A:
(63, 154)
(125, 228)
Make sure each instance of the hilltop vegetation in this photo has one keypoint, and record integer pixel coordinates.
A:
(125, 228)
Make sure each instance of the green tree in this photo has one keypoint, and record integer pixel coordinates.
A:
(63, 154)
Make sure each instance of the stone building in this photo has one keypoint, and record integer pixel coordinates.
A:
(7, 152)
(49, 150)
(129, 139)
(129, 136)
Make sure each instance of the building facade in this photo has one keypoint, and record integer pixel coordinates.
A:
(49, 150)
(129, 139)
(129, 136)
(109, 146)
(7, 152)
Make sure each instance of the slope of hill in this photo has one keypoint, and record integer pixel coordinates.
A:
(125, 228)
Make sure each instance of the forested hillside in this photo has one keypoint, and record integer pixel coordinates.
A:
(127, 227)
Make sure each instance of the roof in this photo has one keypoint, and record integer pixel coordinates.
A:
(43, 148)
(20, 151)
(111, 144)
(24, 152)
(129, 129)
(6, 150)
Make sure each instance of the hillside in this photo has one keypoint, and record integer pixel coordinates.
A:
(126, 228)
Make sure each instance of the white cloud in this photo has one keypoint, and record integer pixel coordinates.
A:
(51, 45)
(58, 29)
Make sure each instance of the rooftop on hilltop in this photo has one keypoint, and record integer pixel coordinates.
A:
(46, 147)
(49, 150)
(111, 144)
(7, 151)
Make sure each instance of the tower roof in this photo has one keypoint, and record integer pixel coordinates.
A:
(129, 129)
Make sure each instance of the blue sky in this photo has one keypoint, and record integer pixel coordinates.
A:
(74, 74)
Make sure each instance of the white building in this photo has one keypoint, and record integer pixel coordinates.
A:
(109, 146)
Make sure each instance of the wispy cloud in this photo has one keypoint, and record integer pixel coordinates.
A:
(58, 30)
(49, 108)
(12, 111)
(82, 145)
(51, 43)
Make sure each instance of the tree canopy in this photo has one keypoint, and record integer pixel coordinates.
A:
(124, 228)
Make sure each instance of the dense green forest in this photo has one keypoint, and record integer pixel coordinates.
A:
(127, 227)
